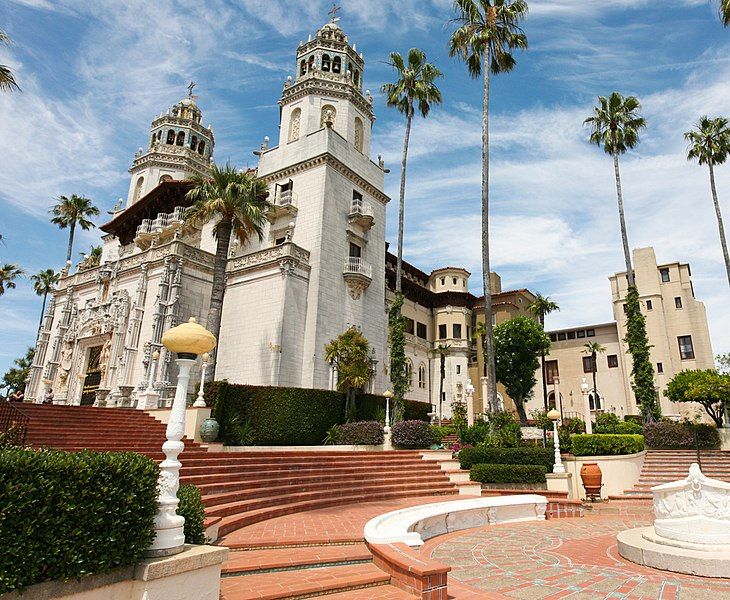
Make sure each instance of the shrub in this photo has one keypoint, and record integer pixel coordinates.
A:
(191, 507)
(64, 515)
(504, 430)
(369, 406)
(597, 444)
(441, 431)
(638, 419)
(507, 456)
(672, 435)
(489, 473)
(12, 437)
(475, 434)
(610, 423)
(362, 432)
(413, 434)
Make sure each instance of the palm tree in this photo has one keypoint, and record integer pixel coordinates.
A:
(443, 350)
(414, 84)
(236, 200)
(72, 211)
(615, 125)
(350, 354)
(43, 284)
(90, 259)
(709, 144)
(488, 31)
(725, 12)
(592, 349)
(541, 306)
(8, 274)
(7, 80)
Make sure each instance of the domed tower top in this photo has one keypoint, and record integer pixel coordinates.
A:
(179, 147)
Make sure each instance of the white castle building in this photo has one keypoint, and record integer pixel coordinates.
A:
(319, 269)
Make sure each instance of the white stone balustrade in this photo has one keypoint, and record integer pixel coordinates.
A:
(357, 266)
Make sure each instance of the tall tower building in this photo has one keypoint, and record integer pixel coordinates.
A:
(179, 147)
(320, 266)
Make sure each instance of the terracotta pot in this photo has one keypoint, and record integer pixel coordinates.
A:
(591, 475)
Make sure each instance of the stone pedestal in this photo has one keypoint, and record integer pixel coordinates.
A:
(560, 482)
(148, 400)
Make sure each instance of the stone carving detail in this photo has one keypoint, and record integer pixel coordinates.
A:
(356, 287)
(277, 253)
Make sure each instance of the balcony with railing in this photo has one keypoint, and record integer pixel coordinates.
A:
(358, 274)
(161, 227)
(284, 203)
(361, 213)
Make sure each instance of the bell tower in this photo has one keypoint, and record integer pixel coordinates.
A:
(179, 147)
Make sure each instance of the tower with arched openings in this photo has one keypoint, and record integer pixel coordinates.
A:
(179, 146)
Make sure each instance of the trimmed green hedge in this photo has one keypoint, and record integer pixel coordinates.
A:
(64, 515)
(610, 423)
(413, 434)
(360, 432)
(191, 507)
(672, 435)
(281, 416)
(598, 444)
(507, 456)
(491, 473)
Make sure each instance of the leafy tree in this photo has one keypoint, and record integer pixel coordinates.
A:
(236, 200)
(518, 343)
(540, 307)
(15, 377)
(71, 211)
(723, 363)
(91, 259)
(725, 12)
(592, 349)
(350, 354)
(414, 85)
(8, 275)
(487, 33)
(708, 388)
(7, 80)
(615, 125)
(43, 284)
(642, 371)
(398, 374)
(709, 144)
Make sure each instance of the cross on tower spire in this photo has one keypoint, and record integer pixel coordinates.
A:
(190, 90)
(333, 11)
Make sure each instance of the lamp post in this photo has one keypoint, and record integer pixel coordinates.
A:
(387, 444)
(586, 406)
(187, 341)
(469, 392)
(554, 416)
(200, 401)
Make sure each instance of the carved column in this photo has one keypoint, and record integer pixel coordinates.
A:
(134, 329)
(41, 348)
(171, 306)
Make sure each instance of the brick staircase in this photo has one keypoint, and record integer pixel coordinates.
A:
(663, 466)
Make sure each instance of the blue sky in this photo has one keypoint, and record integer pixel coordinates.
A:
(95, 73)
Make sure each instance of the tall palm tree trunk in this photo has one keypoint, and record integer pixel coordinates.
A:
(43, 311)
(71, 230)
(622, 220)
(487, 282)
(402, 203)
(442, 373)
(594, 368)
(219, 282)
(544, 374)
(720, 226)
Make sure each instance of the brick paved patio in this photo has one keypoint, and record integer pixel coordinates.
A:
(571, 558)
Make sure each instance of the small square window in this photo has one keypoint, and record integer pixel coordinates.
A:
(454, 280)
(686, 349)
(649, 305)
(678, 302)
(588, 365)
(422, 330)
(551, 371)
(659, 368)
(561, 336)
(442, 332)
(458, 369)
(626, 308)
(457, 331)
(612, 361)
(409, 325)
(590, 332)
(581, 333)
(443, 281)
(665, 275)
(553, 337)
(571, 335)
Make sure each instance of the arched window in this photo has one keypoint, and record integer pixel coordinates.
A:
(310, 64)
(201, 147)
(303, 67)
(165, 178)
(180, 138)
(294, 123)
(170, 137)
(328, 114)
(325, 62)
(152, 140)
(138, 189)
(356, 77)
(194, 143)
(337, 65)
(358, 134)
(422, 376)
(409, 372)
(594, 400)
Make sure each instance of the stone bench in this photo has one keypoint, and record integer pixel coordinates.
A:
(412, 526)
